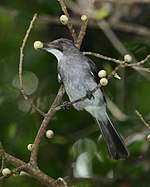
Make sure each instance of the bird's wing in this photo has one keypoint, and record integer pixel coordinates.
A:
(93, 70)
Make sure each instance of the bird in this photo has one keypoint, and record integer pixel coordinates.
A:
(79, 75)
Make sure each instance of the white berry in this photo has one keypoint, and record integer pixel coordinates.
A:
(49, 134)
(102, 73)
(64, 19)
(103, 81)
(84, 18)
(37, 44)
(148, 137)
(127, 58)
(29, 147)
(6, 172)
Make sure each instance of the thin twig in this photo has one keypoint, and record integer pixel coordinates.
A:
(70, 26)
(21, 65)
(84, 24)
(116, 60)
(103, 57)
(140, 62)
(115, 71)
(81, 34)
(142, 119)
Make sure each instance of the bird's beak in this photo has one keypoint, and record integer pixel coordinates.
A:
(38, 45)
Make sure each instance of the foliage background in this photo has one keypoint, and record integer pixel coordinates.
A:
(75, 149)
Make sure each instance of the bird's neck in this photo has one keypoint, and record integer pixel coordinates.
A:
(58, 54)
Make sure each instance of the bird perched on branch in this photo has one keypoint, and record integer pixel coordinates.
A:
(80, 76)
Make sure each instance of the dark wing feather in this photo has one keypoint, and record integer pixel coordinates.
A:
(95, 71)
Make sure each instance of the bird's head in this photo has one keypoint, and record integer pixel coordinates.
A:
(58, 47)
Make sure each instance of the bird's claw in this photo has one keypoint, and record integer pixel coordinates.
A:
(89, 94)
(65, 105)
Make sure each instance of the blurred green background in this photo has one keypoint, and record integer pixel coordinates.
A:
(75, 152)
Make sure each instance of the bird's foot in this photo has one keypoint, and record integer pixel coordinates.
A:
(89, 94)
(65, 105)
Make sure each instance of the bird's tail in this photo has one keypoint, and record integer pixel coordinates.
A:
(114, 142)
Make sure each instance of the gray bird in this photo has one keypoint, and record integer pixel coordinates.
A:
(79, 76)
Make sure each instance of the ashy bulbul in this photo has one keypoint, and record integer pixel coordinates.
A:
(79, 76)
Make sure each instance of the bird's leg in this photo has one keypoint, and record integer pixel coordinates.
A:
(65, 105)
(89, 94)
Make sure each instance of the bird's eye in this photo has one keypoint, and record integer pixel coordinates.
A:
(60, 42)
(60, 46)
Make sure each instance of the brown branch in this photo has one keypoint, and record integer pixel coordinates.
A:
(103, 57)
(116, 60)
(140, 62)
(22, 54)
(115, 71)
(21, 65)
(84, 24)
(81, 34)
(77, 40)
(42, 177)
(69, 24)
(32, 168)
(10, 159)
(42, 129)
(34, 171)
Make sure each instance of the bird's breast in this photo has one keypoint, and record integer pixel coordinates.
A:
(77, 80)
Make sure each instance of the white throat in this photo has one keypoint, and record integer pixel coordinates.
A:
(58, 54)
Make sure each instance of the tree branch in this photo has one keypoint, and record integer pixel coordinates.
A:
(103, 57)
(70, 26)
(84, 24)
(21, 65)
(32, 168)
(142, 119)
(42, 129)
(34, 171)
